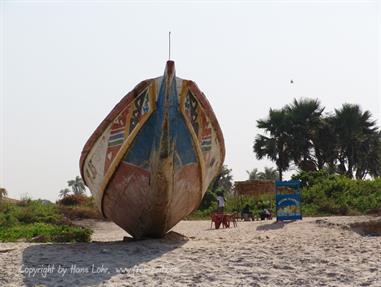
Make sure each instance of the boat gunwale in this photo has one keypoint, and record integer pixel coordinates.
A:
(210, 113)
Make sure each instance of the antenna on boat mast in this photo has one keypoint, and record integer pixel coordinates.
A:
(169, 42)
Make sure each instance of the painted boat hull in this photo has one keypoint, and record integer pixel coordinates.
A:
(149, 163)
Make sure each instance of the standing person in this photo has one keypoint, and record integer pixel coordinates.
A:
(220, 202)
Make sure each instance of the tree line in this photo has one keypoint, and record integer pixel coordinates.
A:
(345, 141)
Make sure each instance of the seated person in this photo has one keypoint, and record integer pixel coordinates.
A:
(246, 214)
(265, 214)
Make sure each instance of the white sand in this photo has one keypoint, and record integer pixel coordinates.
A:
(305, 253)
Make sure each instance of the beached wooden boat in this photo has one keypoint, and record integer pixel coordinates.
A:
(149, 163)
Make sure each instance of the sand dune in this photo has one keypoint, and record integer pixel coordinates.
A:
(312, 252)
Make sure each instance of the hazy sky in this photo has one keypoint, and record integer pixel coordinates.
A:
(65, 64)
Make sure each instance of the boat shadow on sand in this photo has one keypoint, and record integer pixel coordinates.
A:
(84, 264)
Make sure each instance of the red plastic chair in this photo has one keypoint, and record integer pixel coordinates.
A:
(221, 218)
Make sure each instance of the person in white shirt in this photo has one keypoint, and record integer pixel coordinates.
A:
(220, 203)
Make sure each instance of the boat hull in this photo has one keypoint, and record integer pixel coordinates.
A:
(151, 160)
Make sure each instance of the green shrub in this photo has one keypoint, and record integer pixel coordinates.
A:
(7, 220)
(72, 234)
(46, 233)
(312, 177)
(338, 195)
(74, 199)
(35, 219)
(35, 211)
(24, 200)
(80, 212)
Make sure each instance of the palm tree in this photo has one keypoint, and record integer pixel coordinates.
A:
(77, 185)
(369, 157)
(325, 144)
(225, 179)
(355, 131)
(374, 161)
(64, 192)
(3, 193)
(253, 174)
(305, 117)
(222, 183)
(275, 146)
(269, 173)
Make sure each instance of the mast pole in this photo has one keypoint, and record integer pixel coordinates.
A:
(169, 45)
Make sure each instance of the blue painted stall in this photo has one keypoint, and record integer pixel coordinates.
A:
(288, 200)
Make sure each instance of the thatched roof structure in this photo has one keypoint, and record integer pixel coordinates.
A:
(254, 187)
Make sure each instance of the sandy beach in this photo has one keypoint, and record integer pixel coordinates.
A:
(312, 252)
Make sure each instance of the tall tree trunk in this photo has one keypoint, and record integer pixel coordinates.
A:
(350, 161)
(360, 173)
(350, 166)
(331, 166)
(342, 168)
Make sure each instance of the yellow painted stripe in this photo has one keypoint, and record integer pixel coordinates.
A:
(196, 141)
(127, 143)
